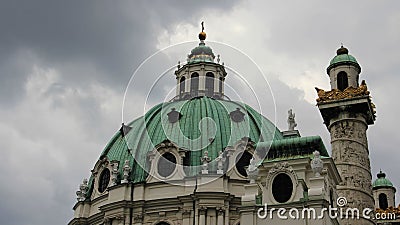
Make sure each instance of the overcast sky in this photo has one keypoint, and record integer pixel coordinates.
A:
(64, 66)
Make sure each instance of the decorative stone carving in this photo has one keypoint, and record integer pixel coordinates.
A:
(107, 221)
(336, 94)
(127, 170)
(138, 218)
(344, 130)
(114, 174)
(291, 120)
(281, 167)
(252, 171)
(83, 188)
(317, 165)
(220, 163)
(205, 160)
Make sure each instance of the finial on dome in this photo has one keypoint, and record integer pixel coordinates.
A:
(202, 34)
(342, 50)
(381, 174)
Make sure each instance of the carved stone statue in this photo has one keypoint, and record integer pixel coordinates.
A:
(114, 174)
(220, 163)
(317, 165)
(127, 170)
(83, 188)
(252, 171)
(205, 160)
(291, 120)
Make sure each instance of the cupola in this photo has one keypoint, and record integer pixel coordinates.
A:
(343, 70)
(200, 76)
(383, 191)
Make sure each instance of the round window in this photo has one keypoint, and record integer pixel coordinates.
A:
(282, 188)
(104, 180)
(166, 164)
(242, 162)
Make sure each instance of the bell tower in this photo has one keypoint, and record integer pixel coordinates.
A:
(384, 192)
(347, 112)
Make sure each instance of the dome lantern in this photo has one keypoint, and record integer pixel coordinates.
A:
(200, 76)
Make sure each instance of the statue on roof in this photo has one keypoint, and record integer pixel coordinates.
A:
(291, 120)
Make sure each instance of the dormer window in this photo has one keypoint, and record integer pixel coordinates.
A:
(104, 180)
(166, 164)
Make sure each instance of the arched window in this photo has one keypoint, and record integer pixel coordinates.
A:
(342, 80)
(182, 85)
(243, 161)
(209, 84)
(194, 84)
(104, 180)
(383, 203)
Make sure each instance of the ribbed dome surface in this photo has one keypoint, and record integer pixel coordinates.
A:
(195, 130)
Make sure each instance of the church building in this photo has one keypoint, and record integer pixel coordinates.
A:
(203, 159)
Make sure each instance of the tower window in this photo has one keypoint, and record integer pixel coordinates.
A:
(166, 164)
(104, 180)
(282, 188)
(383, 202)
(209, 84)
(221, 83)
(162, 223)
(342, 80)
(194, 84)
(243, 161)
(182, 85)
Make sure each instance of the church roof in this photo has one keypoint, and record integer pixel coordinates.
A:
(194, 123)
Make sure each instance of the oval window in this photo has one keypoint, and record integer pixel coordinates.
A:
(242, 162)
(282, 188)
(104, 180)
(166, 164)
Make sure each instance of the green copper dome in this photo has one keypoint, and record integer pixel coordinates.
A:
(343, 58)
(201, 53)
(382, 181)
(194, 129)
